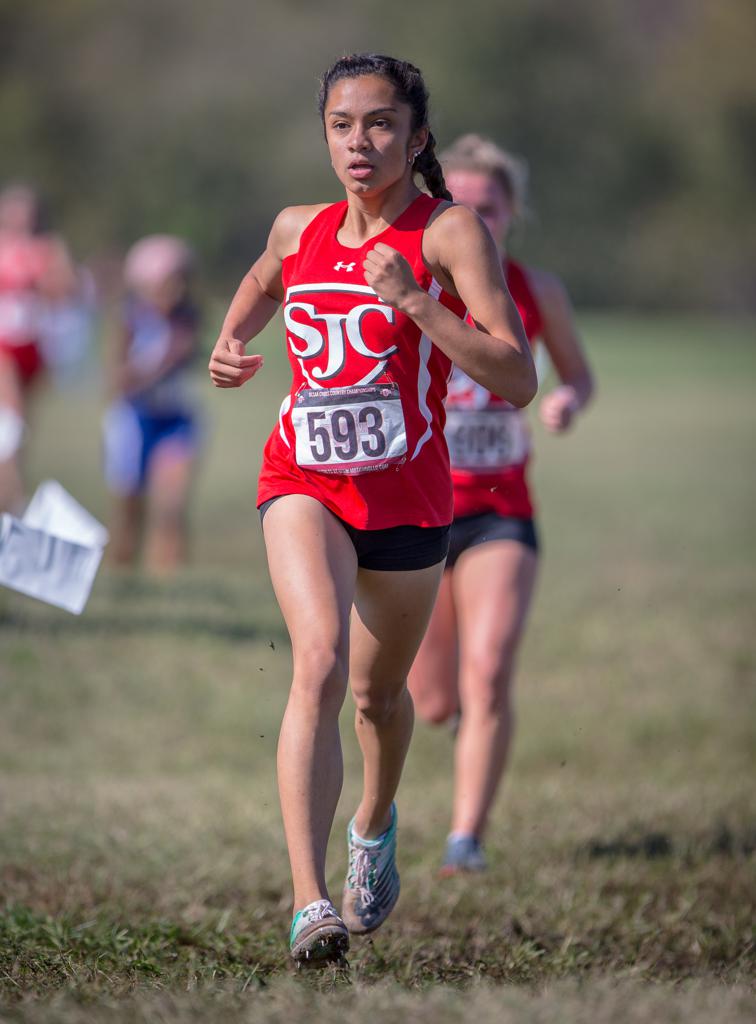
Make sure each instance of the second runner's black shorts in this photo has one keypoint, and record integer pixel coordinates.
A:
(469, 531)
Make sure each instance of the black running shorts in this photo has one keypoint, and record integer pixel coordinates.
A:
(469, 531)
(395, 549)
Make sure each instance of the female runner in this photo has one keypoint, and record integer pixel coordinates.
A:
(355, 488)
(36, 274)
(466, 660)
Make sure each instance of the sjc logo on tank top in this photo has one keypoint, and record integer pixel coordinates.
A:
(341, 335)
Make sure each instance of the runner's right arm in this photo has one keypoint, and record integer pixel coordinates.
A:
(256, 301)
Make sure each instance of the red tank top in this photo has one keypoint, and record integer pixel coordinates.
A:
(23, 261)
(489, 439)
(362, 428)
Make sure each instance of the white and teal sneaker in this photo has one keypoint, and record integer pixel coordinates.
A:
(318, 935)
(372, 883)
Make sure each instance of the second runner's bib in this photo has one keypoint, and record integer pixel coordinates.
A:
(488, 439)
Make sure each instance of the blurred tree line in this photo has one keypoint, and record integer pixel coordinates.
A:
(637, 117)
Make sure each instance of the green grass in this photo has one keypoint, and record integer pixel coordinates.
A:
(143, 873)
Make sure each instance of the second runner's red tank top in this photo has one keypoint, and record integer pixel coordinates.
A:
(362, 428)
(489, 439)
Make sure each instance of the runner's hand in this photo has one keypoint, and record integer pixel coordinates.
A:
(229, 367)
(389, 275)
(558, 408)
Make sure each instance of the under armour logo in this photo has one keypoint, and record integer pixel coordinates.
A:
(344, 266)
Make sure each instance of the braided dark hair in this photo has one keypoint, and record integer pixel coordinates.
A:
(410, 89)
(427, 164)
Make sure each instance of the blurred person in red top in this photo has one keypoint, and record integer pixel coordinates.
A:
(466, 661)
(36, 273)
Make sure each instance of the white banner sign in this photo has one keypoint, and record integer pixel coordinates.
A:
(53, 553)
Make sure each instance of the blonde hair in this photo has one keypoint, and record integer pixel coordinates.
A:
(476, 153)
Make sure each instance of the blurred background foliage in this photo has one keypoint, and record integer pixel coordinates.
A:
(638, 119)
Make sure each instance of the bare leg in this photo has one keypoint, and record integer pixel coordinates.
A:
(313, 567)
(169, 484)
(11, 487)
(13, 404)
(493, 586)
(391, 613)
(125, 528)
(433, 678)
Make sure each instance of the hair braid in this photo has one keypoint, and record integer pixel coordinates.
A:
(427, 164)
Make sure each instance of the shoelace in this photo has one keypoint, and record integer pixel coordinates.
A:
(322, 909)
(362, 864)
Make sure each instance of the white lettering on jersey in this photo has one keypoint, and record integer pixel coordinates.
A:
(340, 329)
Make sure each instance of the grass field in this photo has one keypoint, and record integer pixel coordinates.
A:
(143, 874)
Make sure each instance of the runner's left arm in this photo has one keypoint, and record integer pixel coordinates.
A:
(495, 352)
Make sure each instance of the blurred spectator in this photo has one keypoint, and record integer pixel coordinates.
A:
(151, 429)
(37, 278)
(67, 329)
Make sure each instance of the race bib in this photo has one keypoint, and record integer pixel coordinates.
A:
(486, 440)
(349, 430)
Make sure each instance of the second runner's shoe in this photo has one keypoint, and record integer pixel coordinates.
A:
(372, 883)
(463, 854)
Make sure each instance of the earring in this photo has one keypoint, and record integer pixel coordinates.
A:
(411, 159)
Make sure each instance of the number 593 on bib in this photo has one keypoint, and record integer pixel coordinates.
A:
(349, 430)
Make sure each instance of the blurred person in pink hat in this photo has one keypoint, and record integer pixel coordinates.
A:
(151, 429)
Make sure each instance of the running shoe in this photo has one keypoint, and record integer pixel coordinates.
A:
(318, 935)
(463, 853)
(372, 883)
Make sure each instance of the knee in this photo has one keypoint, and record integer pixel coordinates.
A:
(435, 708)
(378, 706)
(488, 684)
(320, 677)
(167, 509)
(435, 692)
